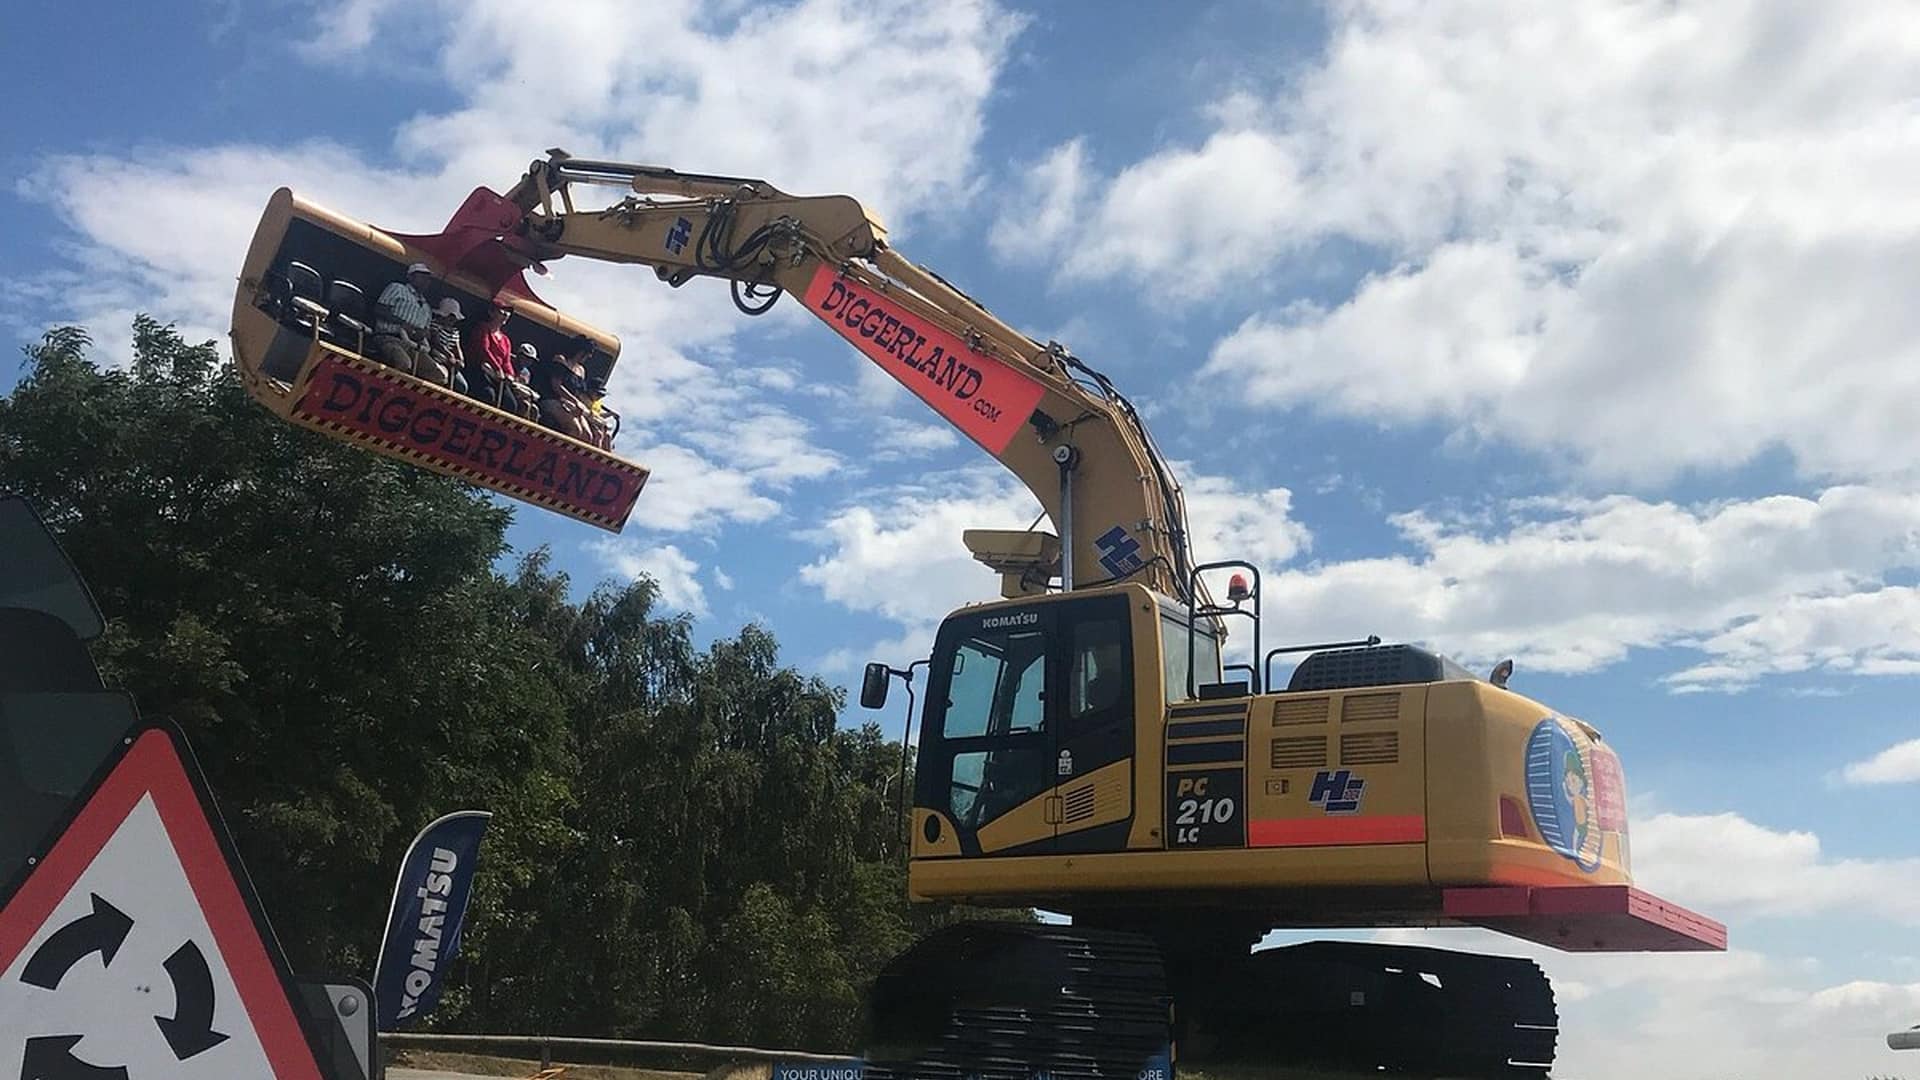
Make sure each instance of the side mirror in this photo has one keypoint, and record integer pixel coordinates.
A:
(873, 686)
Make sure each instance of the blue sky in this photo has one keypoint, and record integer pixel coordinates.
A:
(1571, 335)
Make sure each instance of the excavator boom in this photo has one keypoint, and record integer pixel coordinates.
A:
(1058, 425)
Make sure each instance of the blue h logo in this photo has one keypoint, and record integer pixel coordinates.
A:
(1119, 552)
(678, 236)
(1338, 792)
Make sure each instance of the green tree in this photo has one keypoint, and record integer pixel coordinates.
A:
(318, 621)
(684, 844)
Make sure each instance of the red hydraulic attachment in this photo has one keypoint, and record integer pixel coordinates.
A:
(1586, 918)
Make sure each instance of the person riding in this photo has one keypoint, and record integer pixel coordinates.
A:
(401, 315)
(600, 418)
(444, 360)
(562, 382)
(491, 374)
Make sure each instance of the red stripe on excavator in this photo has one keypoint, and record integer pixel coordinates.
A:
(1330, 831)
(984, 397)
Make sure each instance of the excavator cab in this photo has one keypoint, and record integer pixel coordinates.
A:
(304, 324)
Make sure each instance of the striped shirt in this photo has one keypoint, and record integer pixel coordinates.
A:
(402, 310)
(445, 342)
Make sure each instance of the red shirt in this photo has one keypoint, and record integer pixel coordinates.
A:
(497, 347)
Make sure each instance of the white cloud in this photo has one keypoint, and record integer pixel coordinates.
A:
(1649, 237)
(901, 556)
(686, 492)
(775, 448)
(1899, 1003)
(1449, 337)
(1863, 633)
(723, 579)
(344, 29)
(1233, 199)
(1228, 523)
(1897, 764)
(676, 575)
(1727, 866)
(1044, 208)
(895, 439)
(1575, 584)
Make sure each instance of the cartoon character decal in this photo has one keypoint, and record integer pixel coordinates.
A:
(1577, 793)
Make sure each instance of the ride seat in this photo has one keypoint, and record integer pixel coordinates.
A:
(348, 304)
(308, 305)
(276, 296)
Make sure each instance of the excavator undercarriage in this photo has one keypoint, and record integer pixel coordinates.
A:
(1009, 1001)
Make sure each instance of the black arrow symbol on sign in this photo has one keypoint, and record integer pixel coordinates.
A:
(190, 1029)
(102, 932)
(50, 1057)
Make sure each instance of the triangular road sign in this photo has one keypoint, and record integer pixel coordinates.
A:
(135, 949)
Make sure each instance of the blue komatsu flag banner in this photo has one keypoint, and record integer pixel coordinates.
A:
(423, 925)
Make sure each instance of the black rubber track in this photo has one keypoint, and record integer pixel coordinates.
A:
(1007, 1001)
(1003, 1001)
(1400, 1009)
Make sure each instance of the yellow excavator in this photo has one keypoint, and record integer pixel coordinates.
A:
(1085, 747)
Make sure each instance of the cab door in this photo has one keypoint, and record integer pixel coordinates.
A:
(1095, 726)
(987, 747)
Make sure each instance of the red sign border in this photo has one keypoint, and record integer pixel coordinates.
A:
(156, 761)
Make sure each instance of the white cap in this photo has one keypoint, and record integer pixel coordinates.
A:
(526, 349)
(419, 268)
(447, 306)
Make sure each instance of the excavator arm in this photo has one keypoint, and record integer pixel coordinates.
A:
(1057, 424)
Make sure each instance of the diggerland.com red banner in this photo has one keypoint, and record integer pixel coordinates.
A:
(982, 396)
(396, 414)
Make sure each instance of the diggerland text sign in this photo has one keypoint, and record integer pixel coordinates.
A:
(982, 396)
(395, 414)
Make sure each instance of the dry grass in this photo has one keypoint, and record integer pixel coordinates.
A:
(487, 1065)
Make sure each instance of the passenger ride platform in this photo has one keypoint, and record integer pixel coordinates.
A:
(301, 323)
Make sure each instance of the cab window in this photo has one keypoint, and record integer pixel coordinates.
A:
(1173, 654)
(996, 685)
(1098, 680)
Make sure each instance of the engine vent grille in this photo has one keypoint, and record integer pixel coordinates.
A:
(1078, 804)
(1370, 707)
(1370, 748)
(1311, 710)
(1300, 752)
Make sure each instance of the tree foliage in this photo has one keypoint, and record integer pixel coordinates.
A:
(684, 843)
